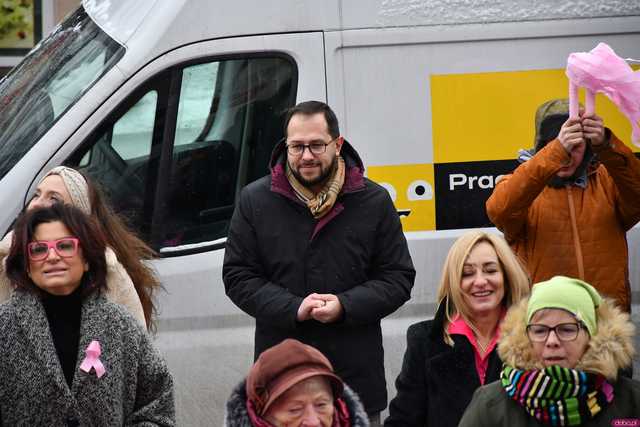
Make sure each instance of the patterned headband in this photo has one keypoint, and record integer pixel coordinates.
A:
(76, 186)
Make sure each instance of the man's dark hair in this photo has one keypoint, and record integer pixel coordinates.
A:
(81, 226)
(309, 108)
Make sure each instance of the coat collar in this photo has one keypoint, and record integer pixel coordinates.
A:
(436, 333)
(610, 349)
(32, 321)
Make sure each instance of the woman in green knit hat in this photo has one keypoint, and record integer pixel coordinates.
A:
(562, 349)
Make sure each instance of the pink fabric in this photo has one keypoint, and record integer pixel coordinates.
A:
(256, 420)
(459, 327)
(607, 388)
(602, 71)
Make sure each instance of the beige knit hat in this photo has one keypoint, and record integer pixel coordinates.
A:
(76, 186)
(554, 106)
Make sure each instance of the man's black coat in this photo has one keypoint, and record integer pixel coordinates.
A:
(277, 254)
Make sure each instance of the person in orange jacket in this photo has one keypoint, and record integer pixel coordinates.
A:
(566, 209)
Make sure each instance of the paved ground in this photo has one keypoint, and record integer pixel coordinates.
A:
(207, 364)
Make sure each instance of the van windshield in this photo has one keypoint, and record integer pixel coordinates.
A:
(50, 80)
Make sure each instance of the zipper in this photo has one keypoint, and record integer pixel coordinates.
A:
(576, 237)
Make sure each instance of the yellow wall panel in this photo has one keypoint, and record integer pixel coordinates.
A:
(489, 116)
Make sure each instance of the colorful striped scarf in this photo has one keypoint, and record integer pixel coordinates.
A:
(557, 396)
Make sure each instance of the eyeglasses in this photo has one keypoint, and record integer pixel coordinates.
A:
(315, 148)
(65, 248)
(564, 331)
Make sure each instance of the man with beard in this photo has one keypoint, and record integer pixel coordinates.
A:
(566, 209)
(316, 252)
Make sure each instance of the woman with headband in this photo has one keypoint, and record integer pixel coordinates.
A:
(130, 282)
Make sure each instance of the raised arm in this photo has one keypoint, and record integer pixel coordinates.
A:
(508, 206)
(624, 168)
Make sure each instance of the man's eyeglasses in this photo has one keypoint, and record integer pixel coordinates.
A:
(564, 331)
(315, 148)
(65, 248)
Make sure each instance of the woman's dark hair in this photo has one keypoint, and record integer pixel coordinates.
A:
(81, 226)
(129, 249)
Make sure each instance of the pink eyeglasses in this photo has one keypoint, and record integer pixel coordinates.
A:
(65, 248)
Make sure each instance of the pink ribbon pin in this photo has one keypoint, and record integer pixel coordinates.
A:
(92, 359)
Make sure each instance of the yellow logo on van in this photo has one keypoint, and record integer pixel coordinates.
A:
(411, 188)
(479, 122)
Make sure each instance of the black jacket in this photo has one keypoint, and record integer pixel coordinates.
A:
(277, 254)
(437, 381)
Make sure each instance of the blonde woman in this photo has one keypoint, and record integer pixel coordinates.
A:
(449, 357)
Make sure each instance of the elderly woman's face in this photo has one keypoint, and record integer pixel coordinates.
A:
(51, 190)
(56, 263)
(560, 347)
(308, 403)
(482, 281)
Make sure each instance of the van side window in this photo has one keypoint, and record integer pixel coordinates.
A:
(133, 133)
(174, 155)
(119, 157)
(227, 121)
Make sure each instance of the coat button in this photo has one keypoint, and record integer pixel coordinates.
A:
(72, 422)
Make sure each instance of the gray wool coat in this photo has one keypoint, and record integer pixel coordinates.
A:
(136, 390)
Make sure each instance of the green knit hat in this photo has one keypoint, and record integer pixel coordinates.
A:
(575, 296)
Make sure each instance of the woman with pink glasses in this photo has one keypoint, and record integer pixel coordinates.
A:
(68, 356)
(131, 282)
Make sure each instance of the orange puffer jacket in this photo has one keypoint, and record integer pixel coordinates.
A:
(572, 231)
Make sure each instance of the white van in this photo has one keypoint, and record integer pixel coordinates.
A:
(174, 105)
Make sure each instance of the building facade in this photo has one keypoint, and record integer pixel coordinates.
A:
(46, 15)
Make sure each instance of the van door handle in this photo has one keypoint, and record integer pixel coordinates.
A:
(192, 248)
